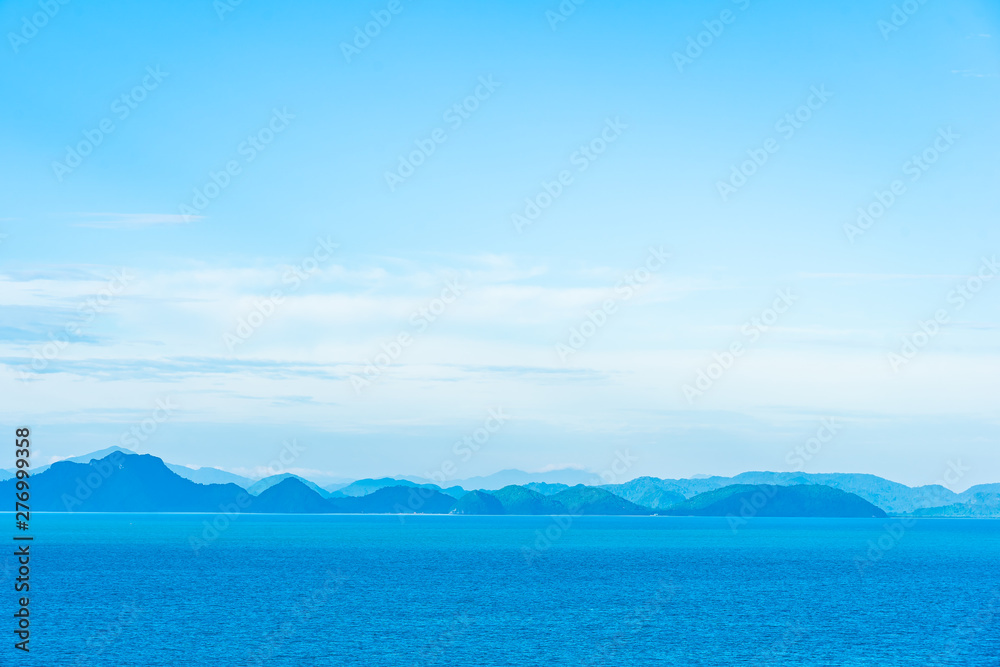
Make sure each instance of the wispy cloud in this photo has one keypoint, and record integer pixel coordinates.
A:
(132, 220)
(880, 276)
(973, 73)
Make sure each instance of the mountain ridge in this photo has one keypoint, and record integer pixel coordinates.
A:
(648, 493)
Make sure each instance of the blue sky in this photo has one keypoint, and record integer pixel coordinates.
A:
(598, 99)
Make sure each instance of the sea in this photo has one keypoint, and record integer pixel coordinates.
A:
(200, 589)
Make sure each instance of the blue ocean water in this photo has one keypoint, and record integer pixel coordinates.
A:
(129, 589)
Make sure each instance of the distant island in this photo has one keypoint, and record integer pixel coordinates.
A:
(122, 481)
(747, 500)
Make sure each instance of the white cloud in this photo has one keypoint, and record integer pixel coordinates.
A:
(495, 345)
